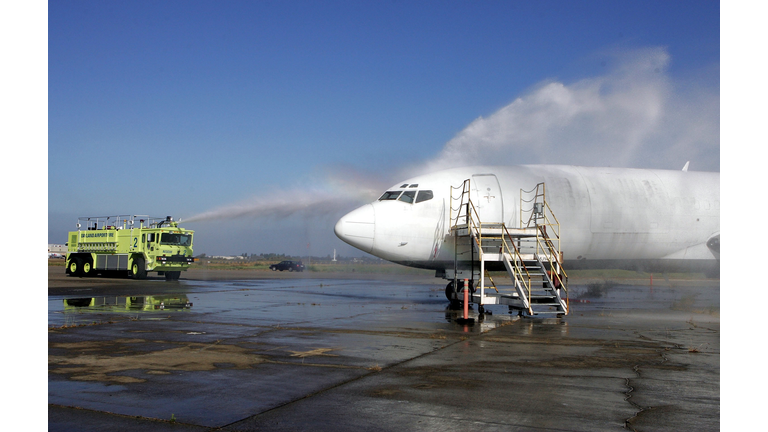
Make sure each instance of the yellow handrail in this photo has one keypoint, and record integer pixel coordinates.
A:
(518, 259)
(545, 245)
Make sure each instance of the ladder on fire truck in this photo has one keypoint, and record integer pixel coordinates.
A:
(530, 253)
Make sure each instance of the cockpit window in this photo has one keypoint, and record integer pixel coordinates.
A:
(424, 195)
(415, 185)
(404, 186)
(408, 196)
(389, 195)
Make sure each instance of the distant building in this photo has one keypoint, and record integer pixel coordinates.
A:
(57, 248)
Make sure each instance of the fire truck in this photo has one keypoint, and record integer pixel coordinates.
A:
(135, 244)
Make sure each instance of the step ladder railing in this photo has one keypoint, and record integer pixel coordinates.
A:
(556, 281)
(554, 258)
(459, 203)
(540, 215)
(547, 246)
(518, 271)
(464, 209)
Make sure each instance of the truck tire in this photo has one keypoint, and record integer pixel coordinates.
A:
(138, 269)
(75, 267)
(86, 269)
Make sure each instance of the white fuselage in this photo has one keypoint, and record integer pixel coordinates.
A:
(605, 214)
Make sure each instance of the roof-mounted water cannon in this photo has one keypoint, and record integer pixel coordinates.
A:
(168, 222)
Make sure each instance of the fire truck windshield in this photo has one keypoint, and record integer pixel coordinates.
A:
(176, 239)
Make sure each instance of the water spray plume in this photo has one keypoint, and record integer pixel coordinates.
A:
(337, 193)
(633, 116)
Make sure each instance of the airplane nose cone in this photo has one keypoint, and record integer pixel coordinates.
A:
(357, 228)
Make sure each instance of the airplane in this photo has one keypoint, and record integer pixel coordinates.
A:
(641, 219)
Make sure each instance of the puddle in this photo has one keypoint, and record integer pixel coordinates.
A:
(79, 310)
(344, 304)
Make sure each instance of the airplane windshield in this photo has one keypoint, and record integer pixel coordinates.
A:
(408, 196)
(424, 195)
(390, 195)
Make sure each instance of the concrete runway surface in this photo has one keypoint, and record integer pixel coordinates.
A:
(311, 352)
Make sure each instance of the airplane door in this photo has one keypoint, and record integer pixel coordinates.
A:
(485, 194)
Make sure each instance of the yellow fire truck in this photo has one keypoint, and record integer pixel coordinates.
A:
(129, 243)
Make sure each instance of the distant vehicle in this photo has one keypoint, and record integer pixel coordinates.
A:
(288, 265)
(55, 255)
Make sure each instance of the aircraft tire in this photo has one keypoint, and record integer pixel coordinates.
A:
(450, 292)
(456, 296)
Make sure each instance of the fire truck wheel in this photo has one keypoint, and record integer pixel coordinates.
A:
(86, 268)
(138, 270)
(172, 275)
(75, 267)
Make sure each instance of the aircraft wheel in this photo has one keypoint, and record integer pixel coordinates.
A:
(450, 292)
(138, 270)
(456, 294)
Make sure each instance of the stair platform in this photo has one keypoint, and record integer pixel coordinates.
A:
(495, 230)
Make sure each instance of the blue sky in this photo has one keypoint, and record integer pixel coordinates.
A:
(183, 107)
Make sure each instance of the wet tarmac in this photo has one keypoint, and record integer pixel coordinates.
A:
(378, 354)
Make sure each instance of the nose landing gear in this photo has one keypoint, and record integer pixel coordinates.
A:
(456, 296)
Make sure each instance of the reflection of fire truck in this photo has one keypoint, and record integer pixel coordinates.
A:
(134, 244)
(127, 304)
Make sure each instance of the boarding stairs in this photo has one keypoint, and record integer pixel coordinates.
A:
(530, 254)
